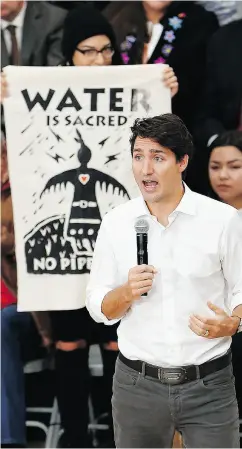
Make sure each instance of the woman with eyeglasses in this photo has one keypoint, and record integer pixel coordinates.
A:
(88, 40)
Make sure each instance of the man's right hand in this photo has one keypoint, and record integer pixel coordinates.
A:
(140, 280)
(118, 301)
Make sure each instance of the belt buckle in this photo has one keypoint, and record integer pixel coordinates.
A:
(174, 377)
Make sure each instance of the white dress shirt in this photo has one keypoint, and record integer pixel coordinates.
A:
(18, 22)
(198, 257)
(156, 32)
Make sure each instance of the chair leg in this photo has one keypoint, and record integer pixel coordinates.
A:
(91, 421)
(54, 427)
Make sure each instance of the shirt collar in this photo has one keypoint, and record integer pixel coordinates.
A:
(186, 206)
(18, 22)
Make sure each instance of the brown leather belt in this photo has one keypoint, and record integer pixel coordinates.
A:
(174, 376)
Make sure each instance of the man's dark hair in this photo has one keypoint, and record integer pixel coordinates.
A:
(228, 138)
(168, 130)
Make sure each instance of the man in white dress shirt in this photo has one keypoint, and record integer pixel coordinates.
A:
(174, 367)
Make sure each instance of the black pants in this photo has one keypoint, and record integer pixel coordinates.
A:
(72, 372)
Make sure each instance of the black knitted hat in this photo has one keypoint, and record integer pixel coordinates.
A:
(81, 23)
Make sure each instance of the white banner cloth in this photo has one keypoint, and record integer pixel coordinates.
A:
(68, 132)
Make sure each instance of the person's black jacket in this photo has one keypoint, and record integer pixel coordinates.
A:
(188, 55)
(222, 106)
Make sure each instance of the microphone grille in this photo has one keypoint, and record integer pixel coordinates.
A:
(141, 226)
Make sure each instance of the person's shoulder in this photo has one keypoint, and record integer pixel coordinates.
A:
(197, 13)
(212, 209)
(123, 212)
(48, 11)
(228, 32)
(198, 24)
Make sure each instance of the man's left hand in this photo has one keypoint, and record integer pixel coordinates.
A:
(222, 325)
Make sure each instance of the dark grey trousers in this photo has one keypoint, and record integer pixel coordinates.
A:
(146, 412)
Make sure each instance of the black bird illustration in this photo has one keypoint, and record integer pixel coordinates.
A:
(95, 193)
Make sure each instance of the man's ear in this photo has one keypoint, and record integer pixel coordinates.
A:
(183, 163)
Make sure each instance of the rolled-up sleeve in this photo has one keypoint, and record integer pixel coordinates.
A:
(103, 276)
(231, 254)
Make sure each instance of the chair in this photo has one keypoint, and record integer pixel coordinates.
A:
(96, 370)
(51, 430)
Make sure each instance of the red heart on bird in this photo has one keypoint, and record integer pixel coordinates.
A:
(84, 178)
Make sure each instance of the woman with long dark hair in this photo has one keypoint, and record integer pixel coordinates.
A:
(225, 177)
(225, 168)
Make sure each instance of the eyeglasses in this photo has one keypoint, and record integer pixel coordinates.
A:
(92, 53)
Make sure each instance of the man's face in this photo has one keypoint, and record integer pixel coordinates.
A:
(156, 170)
(10, 9)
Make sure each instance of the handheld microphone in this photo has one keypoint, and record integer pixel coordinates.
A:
(141, 228)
